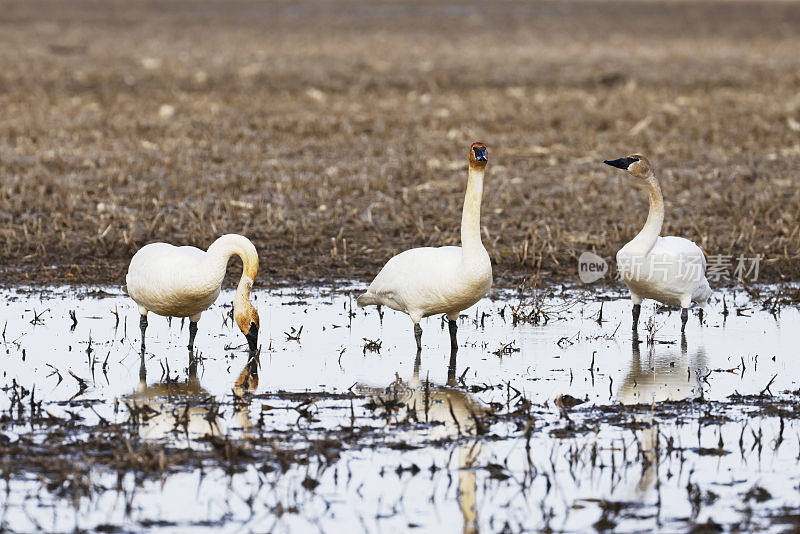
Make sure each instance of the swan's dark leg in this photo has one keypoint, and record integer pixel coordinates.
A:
(142, 368)
(192, 367)
(637, 308)
(192, 333)
(418, 335)
(453, 329)
(451, 367)
(684, 318)
(701, 316)
(143, 327)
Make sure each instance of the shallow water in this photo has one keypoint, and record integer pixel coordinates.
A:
(493, 461)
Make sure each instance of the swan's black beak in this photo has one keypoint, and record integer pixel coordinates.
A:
(480, 153)
(252, 337)
(621, 163)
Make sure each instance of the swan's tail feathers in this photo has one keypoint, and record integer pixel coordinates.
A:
(703, 293)
(367, 299)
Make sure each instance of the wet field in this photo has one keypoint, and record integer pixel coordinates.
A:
(549, 416)
(333, 134)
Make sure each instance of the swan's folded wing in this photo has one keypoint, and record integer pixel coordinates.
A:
(160, 263)
(416, 275)
(687, 263)
(192, 253)
(166, 279)
(681, 248)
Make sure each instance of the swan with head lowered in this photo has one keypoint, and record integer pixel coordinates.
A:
(671, 270)
(430, 280)
(184, 281)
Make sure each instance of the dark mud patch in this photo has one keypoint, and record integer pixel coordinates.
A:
(323, 432)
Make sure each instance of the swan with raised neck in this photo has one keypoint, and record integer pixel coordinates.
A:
(431, 280)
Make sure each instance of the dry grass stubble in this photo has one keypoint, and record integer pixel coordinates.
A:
(335, 133)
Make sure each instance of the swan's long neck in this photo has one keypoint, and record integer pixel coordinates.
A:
(471, 216)
(646, 238)
(216, 262)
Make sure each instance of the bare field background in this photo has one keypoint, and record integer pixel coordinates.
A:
(335, 133)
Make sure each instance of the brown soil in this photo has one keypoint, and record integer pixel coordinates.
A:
(335, 133)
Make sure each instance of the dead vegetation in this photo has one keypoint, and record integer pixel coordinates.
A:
(334, 133)
(641, 444)
(524, 446)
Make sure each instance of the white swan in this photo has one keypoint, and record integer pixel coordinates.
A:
(185, 281)
(670, 269)
(431, 280)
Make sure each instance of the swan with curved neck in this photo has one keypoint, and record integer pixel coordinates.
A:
(184, 281)
(668, 269)
(430, 280)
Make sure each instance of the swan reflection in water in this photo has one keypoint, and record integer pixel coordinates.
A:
(173, 408)
(659, 378)
(456, 414)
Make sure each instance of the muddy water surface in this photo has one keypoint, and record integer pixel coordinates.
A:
(340, 424)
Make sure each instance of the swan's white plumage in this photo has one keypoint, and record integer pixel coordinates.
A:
(427, 281)
(185, 281)
(431, 280)
(668, 269)
(672, 272)
(168, 280)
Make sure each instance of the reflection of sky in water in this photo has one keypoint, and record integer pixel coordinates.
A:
(363, 488)
(330, 354)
